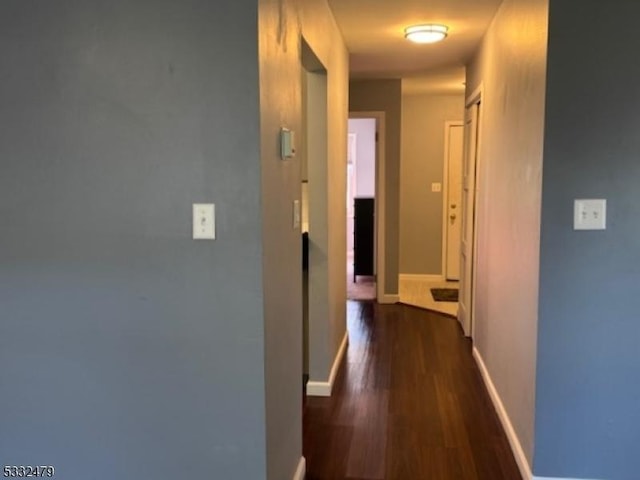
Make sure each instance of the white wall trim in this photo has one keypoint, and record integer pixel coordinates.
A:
(389, 299)
(301, 470)
(324, 389)
(380, 200)
(319, 389)
(516, 447)
(476, 97)
(557, 478)
(410, 277)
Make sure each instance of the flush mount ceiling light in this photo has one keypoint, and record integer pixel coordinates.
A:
(429, 33)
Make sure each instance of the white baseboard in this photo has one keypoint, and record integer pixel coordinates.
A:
(324, 389)
(558, 478)
(301, 470)
(318, 389)
(516, 447)
(421, 278)
(389, 299)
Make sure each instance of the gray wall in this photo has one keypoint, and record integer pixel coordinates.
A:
(128, 350)
(511, 66)
(587, 413)
(385, 96)
(423, 145)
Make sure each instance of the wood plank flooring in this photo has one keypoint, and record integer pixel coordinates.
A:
(408, 404)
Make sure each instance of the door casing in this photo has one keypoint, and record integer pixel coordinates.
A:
(471, 171)
(380, 203)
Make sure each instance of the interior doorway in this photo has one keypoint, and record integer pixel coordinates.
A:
(361, 200)
(313, 151)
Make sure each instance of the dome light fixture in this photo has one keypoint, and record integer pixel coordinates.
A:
(428, 33)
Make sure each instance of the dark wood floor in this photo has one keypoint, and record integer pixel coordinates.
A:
(408, 404)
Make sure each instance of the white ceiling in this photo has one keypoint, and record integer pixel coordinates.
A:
(374, 33)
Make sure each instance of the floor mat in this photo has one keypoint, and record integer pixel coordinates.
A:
(445, 294)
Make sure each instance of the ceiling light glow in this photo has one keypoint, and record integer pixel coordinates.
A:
(429, 33)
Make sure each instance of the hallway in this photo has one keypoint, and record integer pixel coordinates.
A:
(408, 404)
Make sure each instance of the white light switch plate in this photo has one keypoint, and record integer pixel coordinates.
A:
(204, 221)
(590, 214)
(436, 187)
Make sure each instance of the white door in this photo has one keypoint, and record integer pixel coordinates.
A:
(465, 309)
(453, 202)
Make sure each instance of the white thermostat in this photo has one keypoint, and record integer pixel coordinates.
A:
(287, 143)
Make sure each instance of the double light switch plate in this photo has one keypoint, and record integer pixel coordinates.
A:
(590, 214)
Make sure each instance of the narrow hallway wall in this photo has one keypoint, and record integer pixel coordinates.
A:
(283, 24)
(511, 67)
(385, 96)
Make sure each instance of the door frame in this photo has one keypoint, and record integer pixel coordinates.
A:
(476, 97)
(379, 204)
(315, 151)
(445, 192)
